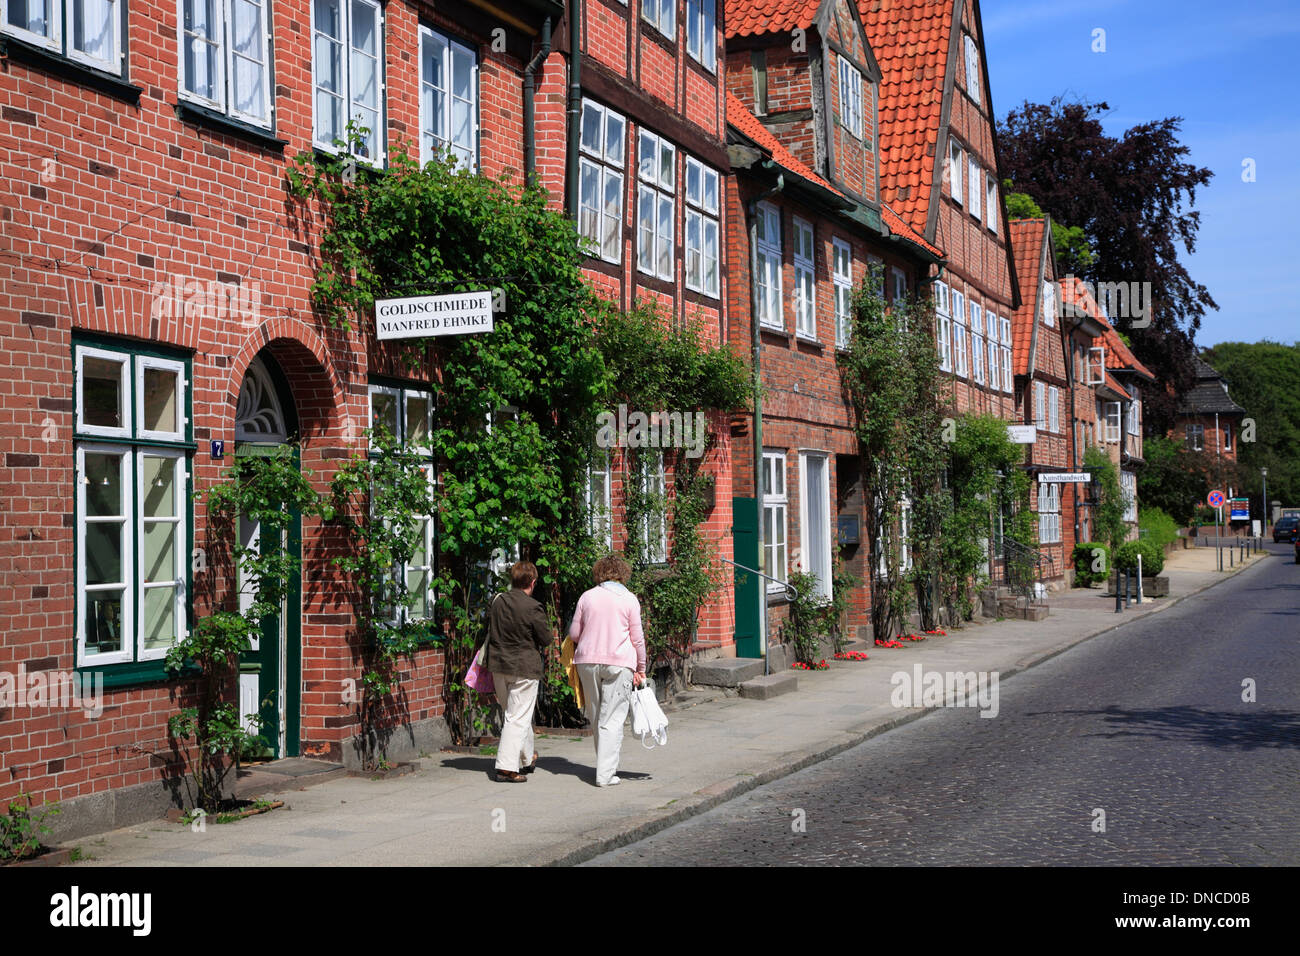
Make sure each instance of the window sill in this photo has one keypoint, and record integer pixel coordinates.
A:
(61, 66)
(774, 330)
(188, 112)
(810, 342)
(138, 674)
(364, 165)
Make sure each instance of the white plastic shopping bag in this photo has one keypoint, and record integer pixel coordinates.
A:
(648, 720)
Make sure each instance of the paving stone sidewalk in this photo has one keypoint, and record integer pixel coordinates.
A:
(451, 811)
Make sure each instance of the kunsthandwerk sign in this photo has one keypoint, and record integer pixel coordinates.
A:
(458, 313)
(1065, 477)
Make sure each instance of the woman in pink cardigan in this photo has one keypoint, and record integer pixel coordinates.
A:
(610, 657)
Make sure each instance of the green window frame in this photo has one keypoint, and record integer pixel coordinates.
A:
(133, 512)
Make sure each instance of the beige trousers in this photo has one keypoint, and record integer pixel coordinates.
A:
(518, 697)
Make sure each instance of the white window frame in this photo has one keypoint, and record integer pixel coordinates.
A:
(654, 523)
(1113, 422)
(125, 382)
(1049, 513)
(608, 164)
(943, 325)
(1049, 303)
(774, 464)
(1128, 484)
(972, 68)
(1053, 409)
(701, 33)
(900, 284)
(768, 267)
(842, 286)
(129, 583)
(1005, 335)
(348, 49)
(1095, 371)
(1040, 405)
(59, 36)
(959, 333)
(147, 361)
(662, 16)
(977, 342)
(657, 190)
(225, 63)
(805, 279)
(703, 227)
(957, 170)
(850, 79)
(600, 520)
(180, 555)
(991, 202)
(976, 175)
(442, 135)
(1194, 436)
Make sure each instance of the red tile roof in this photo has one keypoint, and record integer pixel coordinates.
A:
(752, 17)
(748, 124)
(1118, 355)
(1027, 246)
(910, 40)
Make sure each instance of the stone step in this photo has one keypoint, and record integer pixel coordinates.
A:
(726, 671)
(773, 685)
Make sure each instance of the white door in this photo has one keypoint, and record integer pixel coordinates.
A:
(815, 515)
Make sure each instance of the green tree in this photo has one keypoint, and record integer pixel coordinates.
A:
(1109, 505)
(1172, 478)
(1074, 255)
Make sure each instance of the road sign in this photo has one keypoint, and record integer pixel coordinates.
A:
(1022, 434)
(1215, 499)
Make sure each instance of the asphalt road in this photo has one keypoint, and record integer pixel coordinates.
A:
(1146, 725)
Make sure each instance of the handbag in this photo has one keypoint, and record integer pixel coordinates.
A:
(648, 720)
(478, 677)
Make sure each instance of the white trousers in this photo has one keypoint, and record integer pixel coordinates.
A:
(517, 746)
(608, 693)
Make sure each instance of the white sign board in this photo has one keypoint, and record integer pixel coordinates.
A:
(1065, 477)
(459, 313)
(1023, 434)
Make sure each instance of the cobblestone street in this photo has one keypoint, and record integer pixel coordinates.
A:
(1146, 724)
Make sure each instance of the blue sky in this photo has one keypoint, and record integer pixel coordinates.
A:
(1231, 71)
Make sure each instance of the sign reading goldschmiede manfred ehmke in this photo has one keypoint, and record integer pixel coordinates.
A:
(459, 313)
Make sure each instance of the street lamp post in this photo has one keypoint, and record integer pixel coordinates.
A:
(1263, 473)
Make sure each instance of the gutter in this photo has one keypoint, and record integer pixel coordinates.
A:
(574, 109)
(530, 94)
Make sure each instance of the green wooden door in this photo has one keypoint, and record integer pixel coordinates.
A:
(744, 543)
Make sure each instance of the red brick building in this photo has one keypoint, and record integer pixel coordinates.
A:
(1209, 421)
(803, 147)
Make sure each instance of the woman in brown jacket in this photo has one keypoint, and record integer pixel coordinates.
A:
(518, 635)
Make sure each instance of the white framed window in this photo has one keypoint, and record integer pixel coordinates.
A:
(972, 67)
(1128, 484)
(1195, 437)
(406, 413)
(956, 169)
(448, 99)
(1095, 366)
(132, 504)
(959, 333)
(1134, 424)
(599, 500)
(767, 266)
(1053, 409)
(991, 202)
(900, 284)
(977, 343)
(1049, 513)
(994, 364)
(348, 75)
(1040, 405)
(943, 325)
(654, 523)
(842, 284)
(805, 280)
(225, 49)
(976, 182)
(1005, 336)
(600, 180)
(1049, 303)
(850, 97)
(701, 33)
(656, 204)
(1112, 421)
(702, 231)
(662, 15)
(775, 503)
(85, 31)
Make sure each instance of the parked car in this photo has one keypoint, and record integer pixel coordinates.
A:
(1286, 528)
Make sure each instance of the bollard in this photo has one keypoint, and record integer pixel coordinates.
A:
(1127, 584)
(1139, 580)
(1118, 600)
(1230, 557)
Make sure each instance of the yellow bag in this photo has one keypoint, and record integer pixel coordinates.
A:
(571, 670)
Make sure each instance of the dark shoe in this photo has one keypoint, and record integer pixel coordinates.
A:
(509, 776)
(532, 766)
